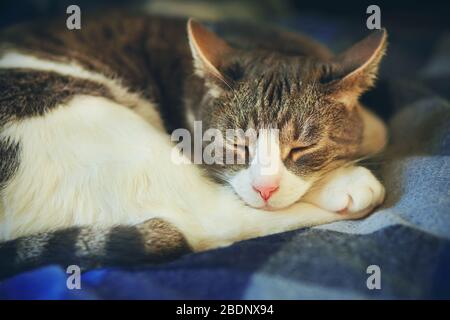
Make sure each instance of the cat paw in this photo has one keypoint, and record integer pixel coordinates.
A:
(352, 191)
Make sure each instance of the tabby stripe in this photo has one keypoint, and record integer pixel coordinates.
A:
(17, 60)
(153, 241)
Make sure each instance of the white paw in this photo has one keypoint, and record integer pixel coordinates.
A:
(351, 190)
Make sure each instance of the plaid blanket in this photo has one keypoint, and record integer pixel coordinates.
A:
(408, 238)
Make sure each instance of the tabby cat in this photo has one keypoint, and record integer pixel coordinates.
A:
(86, 158)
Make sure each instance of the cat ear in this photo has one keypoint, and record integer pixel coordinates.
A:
(354, 71)
(209, 52)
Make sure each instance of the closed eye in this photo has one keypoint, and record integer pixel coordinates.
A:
(296, 152)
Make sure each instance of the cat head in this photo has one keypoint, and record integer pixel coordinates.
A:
(303, 113)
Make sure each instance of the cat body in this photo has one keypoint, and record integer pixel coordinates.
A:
(85, 118)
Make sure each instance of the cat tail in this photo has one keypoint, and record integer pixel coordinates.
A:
(153, 241)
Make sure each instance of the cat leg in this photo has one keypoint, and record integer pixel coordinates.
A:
(251, 223)
(347, 190)
(346, 193)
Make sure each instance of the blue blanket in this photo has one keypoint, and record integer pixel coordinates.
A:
(408, 238)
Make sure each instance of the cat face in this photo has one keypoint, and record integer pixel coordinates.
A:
(299, 115)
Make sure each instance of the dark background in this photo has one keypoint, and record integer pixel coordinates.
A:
(431, 13)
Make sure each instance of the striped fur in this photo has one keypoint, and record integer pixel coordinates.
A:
(153, 241)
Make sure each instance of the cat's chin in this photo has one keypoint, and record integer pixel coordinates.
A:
(268, 207)
(271, 208)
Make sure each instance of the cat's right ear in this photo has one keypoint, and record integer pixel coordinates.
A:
(209, 52)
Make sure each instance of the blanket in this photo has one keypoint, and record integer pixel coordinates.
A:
(405, 244)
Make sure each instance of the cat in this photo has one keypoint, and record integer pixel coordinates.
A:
(86, 172)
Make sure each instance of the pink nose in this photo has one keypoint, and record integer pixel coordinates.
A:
(266, 191)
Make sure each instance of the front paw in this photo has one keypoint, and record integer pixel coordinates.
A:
(352, 190)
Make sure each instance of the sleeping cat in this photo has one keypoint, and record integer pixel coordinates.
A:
(86, 172)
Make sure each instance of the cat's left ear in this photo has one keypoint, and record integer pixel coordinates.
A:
(209, 52)
(353, 72)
